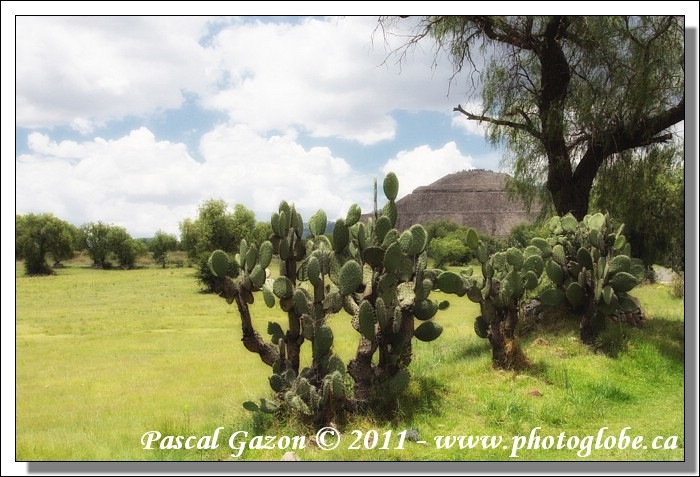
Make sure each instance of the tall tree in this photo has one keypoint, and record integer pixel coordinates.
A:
(95, 240)
(161, 244)
(125, 248)
(213, 229)
(216, 228)
(37, 235)
(566, 94)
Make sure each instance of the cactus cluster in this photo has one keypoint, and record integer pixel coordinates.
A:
(322, 386)
(385, 285)
(506, 277)
(370, 270)
(590, 265)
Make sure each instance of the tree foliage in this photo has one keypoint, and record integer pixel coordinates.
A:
(566, 94)
(100, 240)
(160, 245)
(123, 246)
(37, 235)
(216, 228)
(651, 183)
(94, 240)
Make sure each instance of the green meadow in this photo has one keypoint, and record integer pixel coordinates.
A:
(103, 357)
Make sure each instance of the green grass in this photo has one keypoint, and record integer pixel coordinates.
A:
(102, 357)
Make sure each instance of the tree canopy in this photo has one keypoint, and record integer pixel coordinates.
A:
(37, 235)
(652, 183)
(216, 228)
(161, 244)
(565, 94)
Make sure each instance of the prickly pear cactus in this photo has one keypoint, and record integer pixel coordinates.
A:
(506, 278)
(315, 390)
(590, 267)
(374, 273)
(385, 286)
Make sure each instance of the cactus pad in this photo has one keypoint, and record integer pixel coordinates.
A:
(318, 223)
(218, 263)
(481, 327)
(265, 254)
(428, 331)
(576, 294)
(472, 239)
(353, 216)
(282, 287)
(425, 309)
(543, 245)
(382, 227)
(276, 383)
(341, 236)
(349, 277)
(366, 319)
(554, 272)
(623, 282)
(391, 186)
(534, 263)
(257, 277)
(323, 340)
(569, 223)
(268, 296)
(620, 263)
(552, 297)
(450, 282)
(373, 256)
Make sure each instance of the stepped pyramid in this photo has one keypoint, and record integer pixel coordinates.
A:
(476, 198)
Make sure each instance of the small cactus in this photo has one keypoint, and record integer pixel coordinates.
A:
(507, 277)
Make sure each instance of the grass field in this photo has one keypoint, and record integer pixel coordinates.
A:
(103, 357)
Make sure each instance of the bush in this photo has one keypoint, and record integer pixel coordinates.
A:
(678, 285)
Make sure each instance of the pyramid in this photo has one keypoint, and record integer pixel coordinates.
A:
(476, 198)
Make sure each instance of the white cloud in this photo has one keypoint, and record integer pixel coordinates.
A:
(75, 70)
(423, 165)
(145, 184)
(326, 77)
(134, 181)
(245, 167)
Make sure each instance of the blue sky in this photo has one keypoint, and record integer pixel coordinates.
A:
(136, 121)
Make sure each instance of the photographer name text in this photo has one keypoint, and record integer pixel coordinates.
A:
(329, 438)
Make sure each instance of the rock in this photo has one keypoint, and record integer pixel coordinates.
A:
(290, 457)
(412, 435)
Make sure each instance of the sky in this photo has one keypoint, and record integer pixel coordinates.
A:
(137, 120)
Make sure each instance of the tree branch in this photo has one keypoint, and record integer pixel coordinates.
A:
(508, 34)
(627, 136)
(499, 122)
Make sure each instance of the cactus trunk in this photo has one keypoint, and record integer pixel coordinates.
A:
(294, 338)
(251, 339)
(362, 372)
(506, 353)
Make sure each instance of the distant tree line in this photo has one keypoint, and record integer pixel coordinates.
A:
(40, 238)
